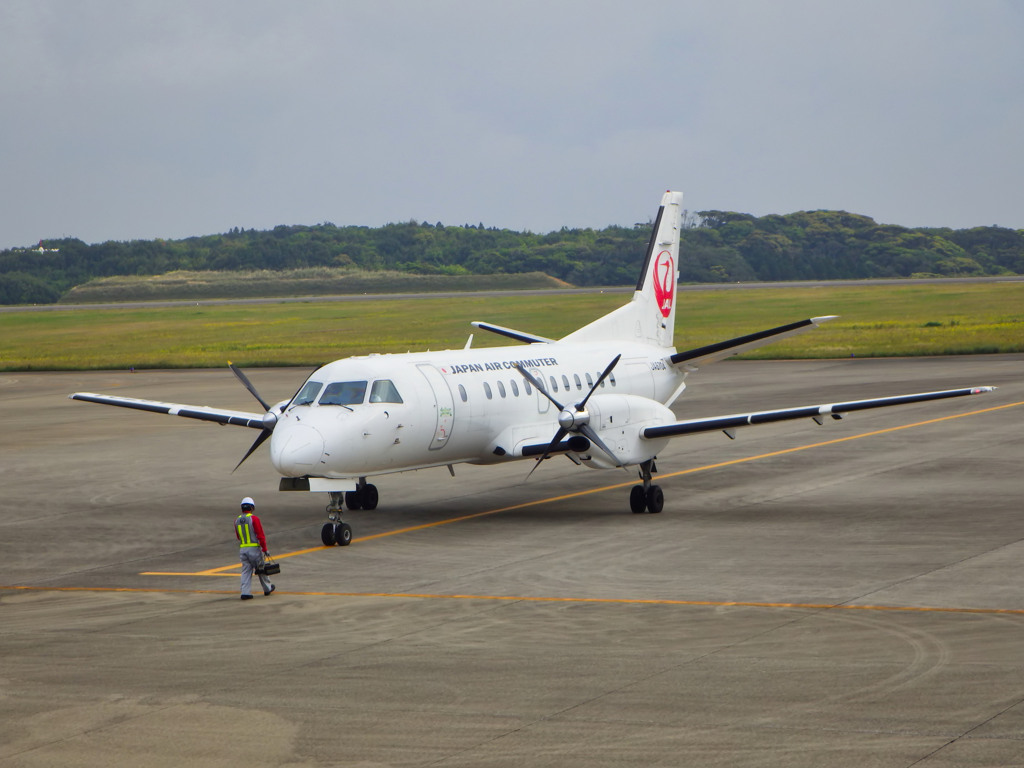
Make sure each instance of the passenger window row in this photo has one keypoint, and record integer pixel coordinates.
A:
(528, 389)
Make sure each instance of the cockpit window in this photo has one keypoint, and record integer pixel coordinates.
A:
(383, 391)
(308, 393)
(343, 393)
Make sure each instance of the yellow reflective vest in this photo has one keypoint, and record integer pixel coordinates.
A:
(246, 531)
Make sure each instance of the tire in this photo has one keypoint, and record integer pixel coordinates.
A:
(655, 499)
(343, 534)
(370, 497)
(637, 499)
(353, 500)
(327, 534)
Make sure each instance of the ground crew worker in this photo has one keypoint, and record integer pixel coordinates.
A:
(252, 548)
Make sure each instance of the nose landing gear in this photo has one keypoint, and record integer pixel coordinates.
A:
(335, 531)
(365, 496)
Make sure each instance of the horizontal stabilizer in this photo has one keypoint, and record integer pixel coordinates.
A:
(201, 412)
(511, 333)
(693, 426)
(723, 349)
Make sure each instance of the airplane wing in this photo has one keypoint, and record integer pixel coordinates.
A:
(817, 412)
(723, 349)
(529, 338)
(201, 412)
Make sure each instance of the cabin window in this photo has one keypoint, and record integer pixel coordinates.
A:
(554, 384)
(579, 384)
(462, 393)
(308, 393)
(501, 389)
(529, 389)
(565, 380)
(515, 387)
(590, 382)
(603, 381)
(383, 391)
(487, 391)
(611, 378)
(344, 393)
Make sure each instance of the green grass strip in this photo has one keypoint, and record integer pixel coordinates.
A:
(876, 321)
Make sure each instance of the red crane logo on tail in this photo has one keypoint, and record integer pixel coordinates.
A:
(664, 276)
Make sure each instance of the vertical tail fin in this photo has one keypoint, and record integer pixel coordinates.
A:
(656, 288)
(651, 315)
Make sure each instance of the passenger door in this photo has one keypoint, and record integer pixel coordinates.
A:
(444, 405)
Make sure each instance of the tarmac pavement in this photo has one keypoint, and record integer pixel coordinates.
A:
(845, 595)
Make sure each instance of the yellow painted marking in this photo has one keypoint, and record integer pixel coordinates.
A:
(692, 470)
(541, 599)
(552, 499)
(225, 570)
(187, 573)
(222, 571)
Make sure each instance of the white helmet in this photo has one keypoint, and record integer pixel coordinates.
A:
(248, 502)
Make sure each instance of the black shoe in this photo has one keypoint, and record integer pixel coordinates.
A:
(247, 597)
(267, 592)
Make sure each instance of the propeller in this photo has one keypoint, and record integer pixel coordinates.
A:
(248, 384)
(575, 419)
(269, 418)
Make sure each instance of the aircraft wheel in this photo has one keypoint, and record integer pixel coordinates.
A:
(353, 499)
(343, 534)
(655, 499)
(327, 534)
(370, 497)
(637, 499)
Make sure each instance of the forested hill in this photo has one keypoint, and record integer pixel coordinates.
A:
(717, 246)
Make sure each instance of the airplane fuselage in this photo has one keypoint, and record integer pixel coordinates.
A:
(412, 411)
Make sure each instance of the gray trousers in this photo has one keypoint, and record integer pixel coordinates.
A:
(251, 557)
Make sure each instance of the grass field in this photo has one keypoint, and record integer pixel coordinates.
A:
(876, 321)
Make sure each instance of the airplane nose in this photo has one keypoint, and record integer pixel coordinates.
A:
(298, 452)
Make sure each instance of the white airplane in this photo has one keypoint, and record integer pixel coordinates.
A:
(600, 395)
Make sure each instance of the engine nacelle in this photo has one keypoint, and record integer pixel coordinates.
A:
(618, 419)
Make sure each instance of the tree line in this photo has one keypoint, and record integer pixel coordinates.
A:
(717, 246)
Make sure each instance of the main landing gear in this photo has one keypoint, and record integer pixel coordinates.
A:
(365, 496)
(646, 497)
(335, 531)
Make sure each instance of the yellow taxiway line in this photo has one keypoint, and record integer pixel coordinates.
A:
(230, 570)
(542, 599)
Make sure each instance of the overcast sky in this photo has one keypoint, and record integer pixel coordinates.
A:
(125, 120)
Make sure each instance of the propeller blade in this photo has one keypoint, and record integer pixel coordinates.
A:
(248, 385)
(583, 403)
(534, 467)
(256, 444)
(551, 446)
(539, 385)
(587, 431)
